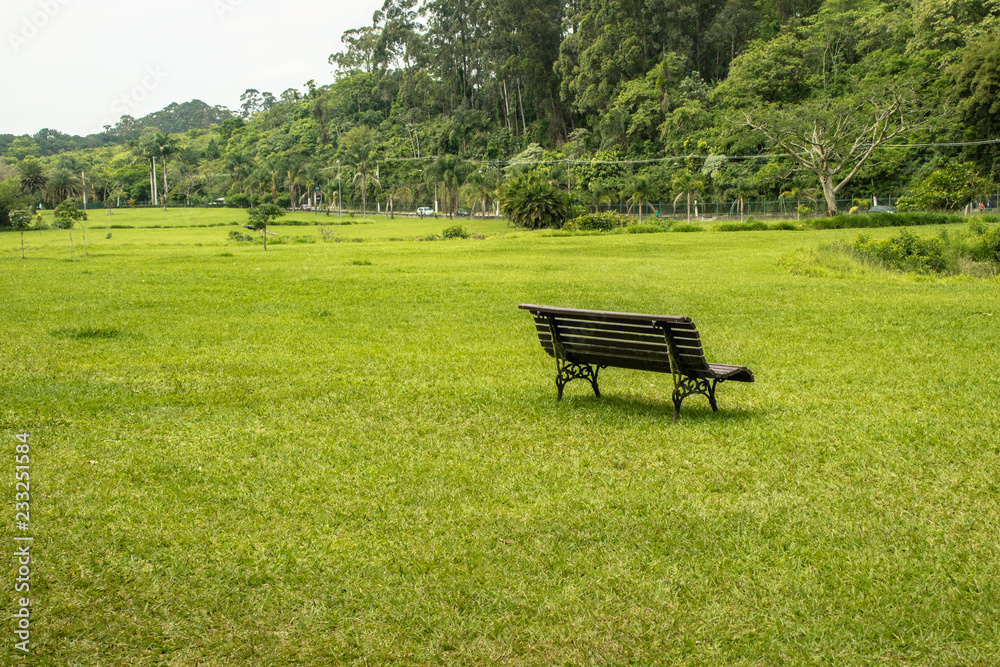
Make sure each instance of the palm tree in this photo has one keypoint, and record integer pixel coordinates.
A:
(598, 194)
(399, 193)
(164, 146)
(63, 184)
(799, 192)
(688, 183)
(742, 188)
(147, 151)
(314, 178)
(481, 186)
(33, 179)
(357, 147)
(293, 174)
(115, 193)
(270, 170)
(642, 190)
(451, 171)
(240, 165)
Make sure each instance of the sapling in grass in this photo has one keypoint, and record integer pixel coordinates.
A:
(20, 219)
(66, 216)
(261, 215)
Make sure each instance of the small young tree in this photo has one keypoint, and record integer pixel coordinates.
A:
(67, 215)
(21, 219)
(261, 215)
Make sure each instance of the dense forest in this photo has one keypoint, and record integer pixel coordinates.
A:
(440, 102)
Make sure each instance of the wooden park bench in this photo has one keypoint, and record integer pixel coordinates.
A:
(585, 341)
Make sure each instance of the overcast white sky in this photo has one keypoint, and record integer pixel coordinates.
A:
(76, 65)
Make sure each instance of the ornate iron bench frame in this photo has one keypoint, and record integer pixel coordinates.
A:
(585, 341)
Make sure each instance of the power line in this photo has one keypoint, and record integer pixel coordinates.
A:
(676, 158)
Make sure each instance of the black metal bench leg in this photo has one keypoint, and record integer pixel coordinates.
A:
(566, 372)
(687, 386)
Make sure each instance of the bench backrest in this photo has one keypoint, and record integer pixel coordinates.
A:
(685, 345)
(623, 340)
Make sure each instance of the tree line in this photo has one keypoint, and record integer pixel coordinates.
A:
(445, 101)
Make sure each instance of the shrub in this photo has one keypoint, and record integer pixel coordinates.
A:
(686, 227)
(748, 226)
(977, 227)
(646, 228)
(904, 252)
(986, 246)
(598, 222)
(239, 237)
(283, 201)
(883, 220)
(455, 232)
(975, 252)
(238, 200)
(530, 201)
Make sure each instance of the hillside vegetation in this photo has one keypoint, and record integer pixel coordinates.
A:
(822, 105)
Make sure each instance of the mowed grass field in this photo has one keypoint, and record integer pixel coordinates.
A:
(351, 453)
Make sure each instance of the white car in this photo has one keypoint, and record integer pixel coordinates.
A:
(425, 210)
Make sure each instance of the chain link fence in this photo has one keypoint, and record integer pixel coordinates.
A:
(787, 209)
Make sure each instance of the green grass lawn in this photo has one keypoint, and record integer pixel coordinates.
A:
(351, 453)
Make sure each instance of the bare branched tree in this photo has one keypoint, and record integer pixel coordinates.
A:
(834, 138)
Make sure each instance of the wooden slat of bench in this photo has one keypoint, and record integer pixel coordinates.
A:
(687, 352)
(583, 350)
(674, 322)
(603, 315)
(593, 325)
(571, 342)
(586, 348)
(633, 364)
(609, 334)
(614, 357)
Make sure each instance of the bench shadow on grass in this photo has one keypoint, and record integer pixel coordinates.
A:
(85, 333)
(621, 405)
